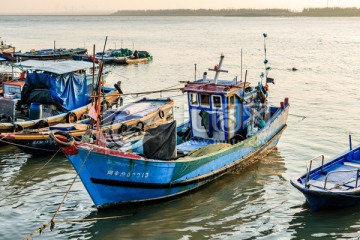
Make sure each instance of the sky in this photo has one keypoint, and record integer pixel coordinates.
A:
(108, 6)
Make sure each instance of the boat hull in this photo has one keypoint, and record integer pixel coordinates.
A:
(113, 177)
(322, 200)
(342, 187)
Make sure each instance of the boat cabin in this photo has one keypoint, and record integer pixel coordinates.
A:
(223, 110)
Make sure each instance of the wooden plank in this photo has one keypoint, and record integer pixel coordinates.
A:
(352, 164)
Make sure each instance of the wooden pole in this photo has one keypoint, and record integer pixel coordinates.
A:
(93, 76)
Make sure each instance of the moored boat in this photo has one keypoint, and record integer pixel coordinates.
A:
(5, 48)
(52, 93)
(142, 114)
(335, 183)
(117, 56)
(230, 123)
(46, 54)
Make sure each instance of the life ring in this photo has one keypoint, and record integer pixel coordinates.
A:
(18, 128)
(84, 116)
(42, 124)
(140, 125)
(123, 128)
(105, 105)
(69, 139)
(161, 114)
(71, 117)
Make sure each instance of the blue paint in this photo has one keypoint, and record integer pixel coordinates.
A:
(341, 170)
(113, 180)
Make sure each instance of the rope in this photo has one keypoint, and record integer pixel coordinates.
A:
(120, 75)
(92, 219)
(52, 221)
(43, 227)
(31, 176)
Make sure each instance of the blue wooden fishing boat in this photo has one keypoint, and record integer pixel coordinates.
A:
(335, 183)
(230, 124)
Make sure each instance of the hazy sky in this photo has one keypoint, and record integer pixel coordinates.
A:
(57, 6)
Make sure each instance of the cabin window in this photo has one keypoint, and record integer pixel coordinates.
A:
(216, 101)
(194, 99)
(232, 100)
(204, 100)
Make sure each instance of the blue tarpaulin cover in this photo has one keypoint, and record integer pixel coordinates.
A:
(68, 90)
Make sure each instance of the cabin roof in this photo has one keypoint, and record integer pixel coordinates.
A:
(212, 88)
(55, 67)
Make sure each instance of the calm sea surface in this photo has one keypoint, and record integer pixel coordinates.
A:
(257, 202)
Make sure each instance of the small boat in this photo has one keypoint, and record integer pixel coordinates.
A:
(143, 114)
(5, 48)
(117, 56)
(335, 183)
(46, 54)
(137, 60)
(108, 57)
(230, 124)
(138, 57)
(52, 93)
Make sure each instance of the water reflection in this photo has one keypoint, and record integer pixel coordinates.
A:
(335, 223)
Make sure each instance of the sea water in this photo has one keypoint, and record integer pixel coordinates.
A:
(256, 202)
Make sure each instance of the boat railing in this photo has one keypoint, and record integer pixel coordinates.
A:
(308, 168)
(332, 172)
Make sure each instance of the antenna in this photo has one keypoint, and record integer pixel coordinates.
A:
(218, 69)
(195, 72)
(241, 66)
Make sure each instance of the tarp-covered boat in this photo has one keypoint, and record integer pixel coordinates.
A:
(335, 183)
(117, 56)
(51, 93)
(230, 123)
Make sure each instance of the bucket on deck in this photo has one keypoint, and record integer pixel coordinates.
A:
(35, 111)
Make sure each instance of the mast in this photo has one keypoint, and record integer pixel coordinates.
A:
(93, 75)
(218, 69)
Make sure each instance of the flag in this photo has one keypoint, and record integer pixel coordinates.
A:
(92, 113)
(270, 80)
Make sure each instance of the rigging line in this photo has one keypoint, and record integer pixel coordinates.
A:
(142, 93)
(121, 76)
(52, 222)
(31, 177)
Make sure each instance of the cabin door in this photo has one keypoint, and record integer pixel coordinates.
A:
(234, 113)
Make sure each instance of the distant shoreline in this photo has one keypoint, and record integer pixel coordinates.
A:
(306, 12)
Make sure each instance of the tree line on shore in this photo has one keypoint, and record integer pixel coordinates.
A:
(306, 12)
